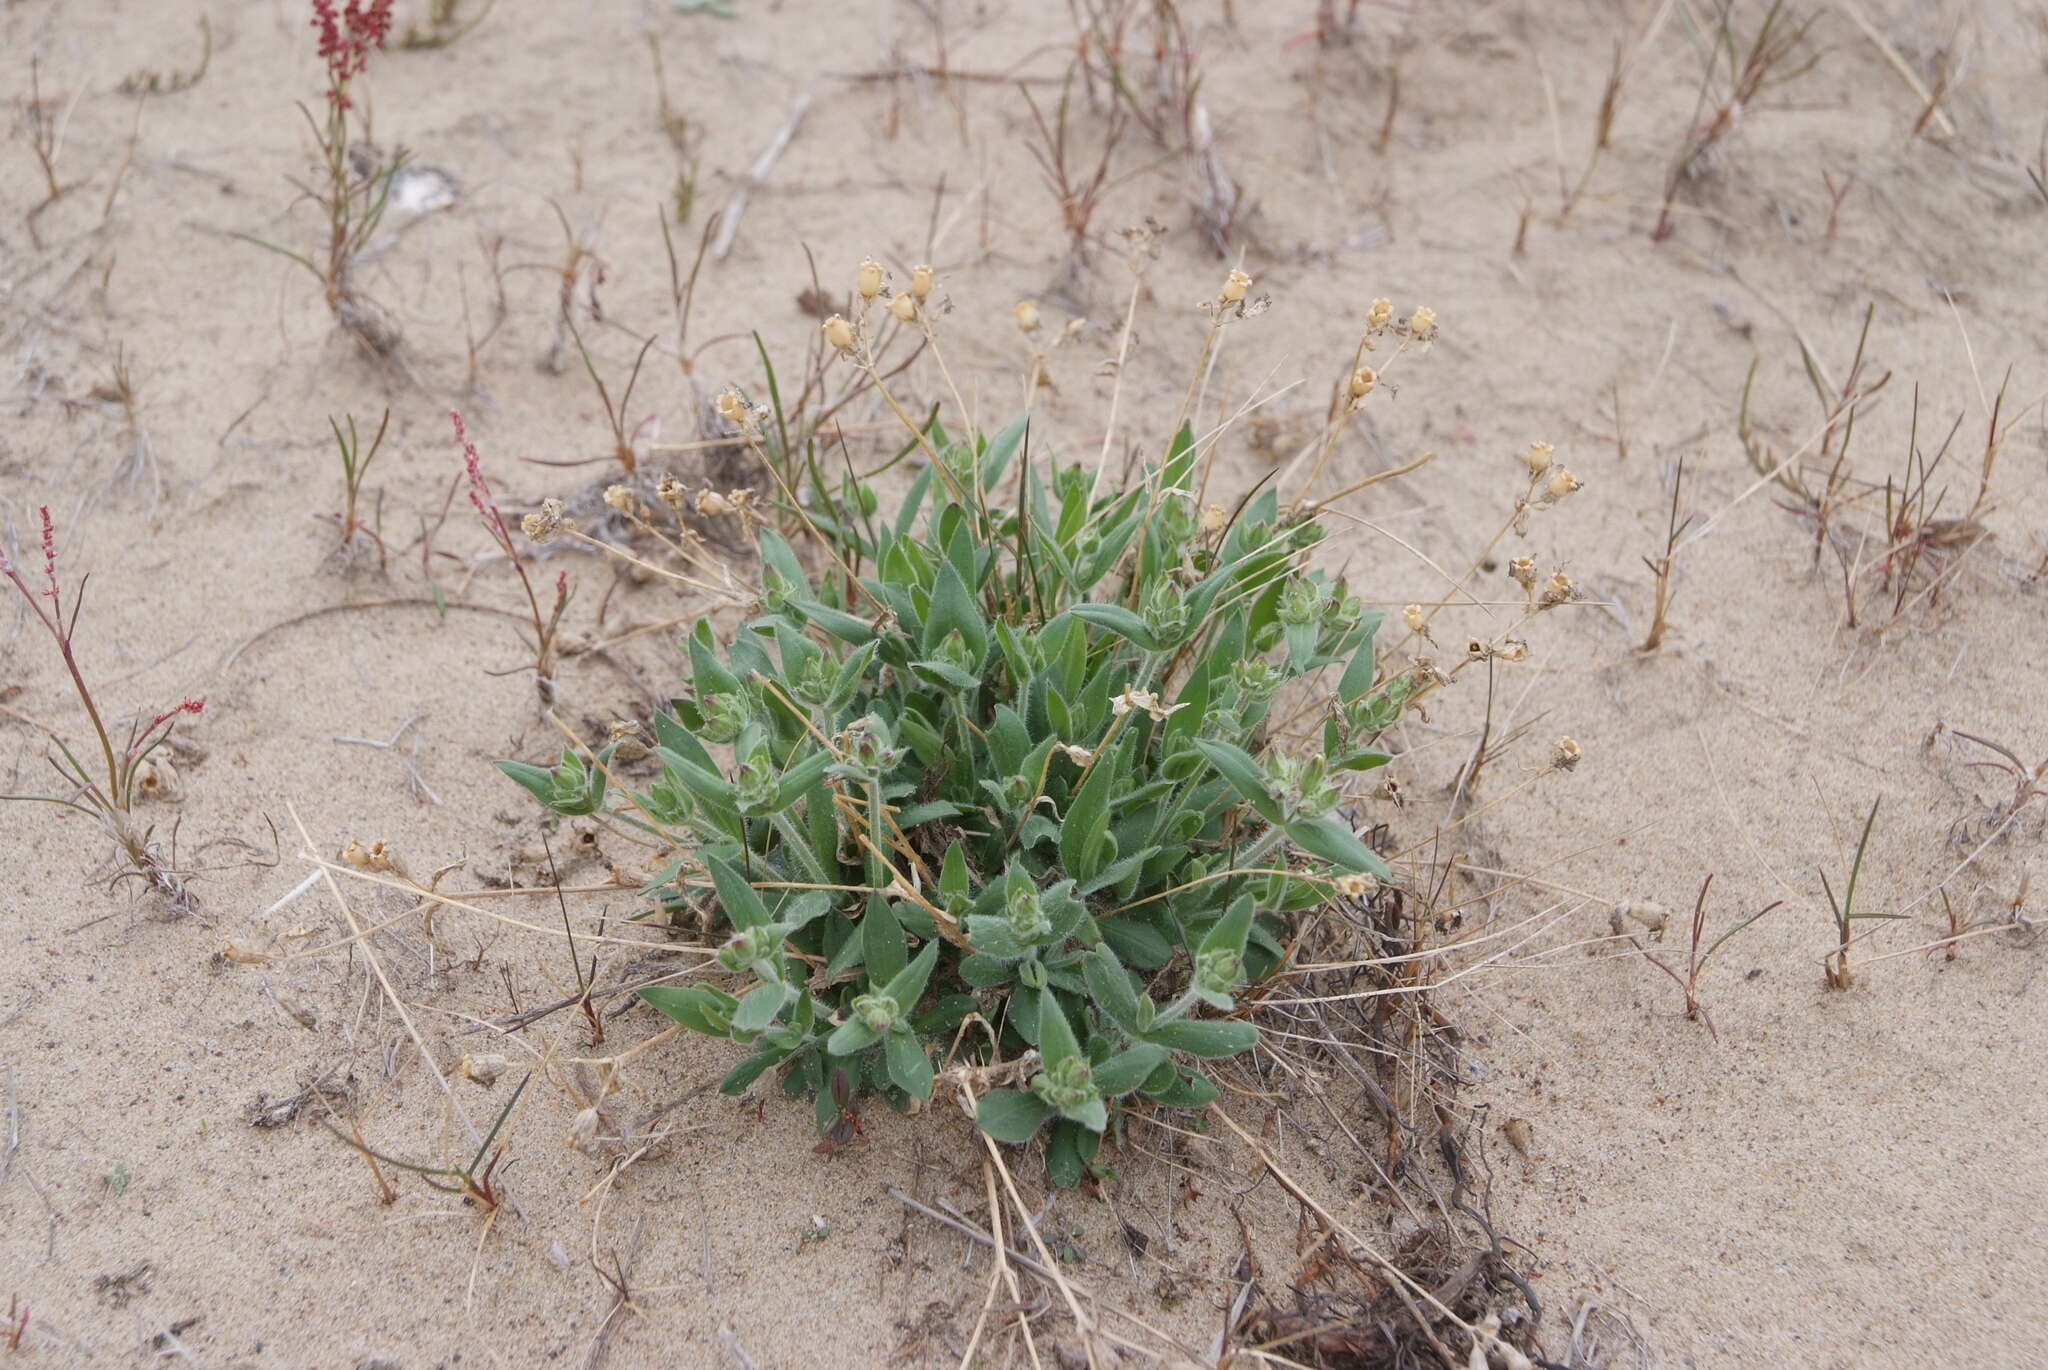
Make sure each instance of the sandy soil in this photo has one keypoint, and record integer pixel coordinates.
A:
(1826, 1179)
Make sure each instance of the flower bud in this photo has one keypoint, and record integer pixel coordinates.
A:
(878, 1011)
(1301, 603)
(869, 281)
(1065, 1084)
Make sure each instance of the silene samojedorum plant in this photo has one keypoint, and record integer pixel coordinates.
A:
(1005, 788)
(105, 790)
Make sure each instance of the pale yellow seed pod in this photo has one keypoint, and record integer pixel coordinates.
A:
(620, 498)
(904, 307)
(732, 408)
(1234, 286)
(1562, 483)
(920, 282)
(839, 333)
(1026, 314)
(1538, 457)
(1412, 616)
(710, 502)
(1381, 311)
(1422, 322)
(671, 492)
(1566, 754)
(1213, 520)
(869, 281)
(1362, 382)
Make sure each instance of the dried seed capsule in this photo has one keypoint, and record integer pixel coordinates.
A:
(839, 333)
(1412, 616)
(904, 307)
(1538, 457)
(1377, 316)
(920, 282)
(869, 281)
(1362, 382)
(1422, 323)
(1565, 754)
(1562, 483)
(1026, 314)
(1234, 286)
(546, 521)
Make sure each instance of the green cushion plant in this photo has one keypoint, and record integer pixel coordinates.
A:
(1016, 762)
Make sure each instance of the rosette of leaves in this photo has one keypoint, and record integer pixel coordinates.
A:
(1009, 762)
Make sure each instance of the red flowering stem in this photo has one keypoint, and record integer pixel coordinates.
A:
(494, 522)
(60, 632)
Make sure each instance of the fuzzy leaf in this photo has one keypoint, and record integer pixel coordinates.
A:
(697, 1007)
(1120, 621)
(909, 1067)
(759, 1005)
(1211, 1037)
(1109, 984)
(882, 942)
(1139, 944)
(851, 1036)
(741, 904)
(1338, 845)
(953, 608)
(1357, 678)
(1082, 828)
(1055, 1037)
(1011, 1115)
(1245, 775)
(747, 1071)
(538, 781)
(1126, 1070)
(908, 985)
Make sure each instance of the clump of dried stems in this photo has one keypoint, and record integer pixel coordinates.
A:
(1763, 63)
